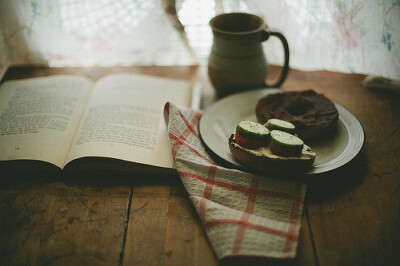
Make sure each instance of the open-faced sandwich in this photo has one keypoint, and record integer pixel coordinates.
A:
(271, 148)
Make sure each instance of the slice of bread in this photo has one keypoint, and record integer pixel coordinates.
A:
(263, 161)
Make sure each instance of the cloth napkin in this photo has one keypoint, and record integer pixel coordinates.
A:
(241, 213)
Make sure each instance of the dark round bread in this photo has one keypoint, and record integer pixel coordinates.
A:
(313, 114)
(264, 161)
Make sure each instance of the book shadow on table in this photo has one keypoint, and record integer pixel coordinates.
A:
(92, 172)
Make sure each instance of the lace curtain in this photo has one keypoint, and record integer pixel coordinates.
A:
(359, 36)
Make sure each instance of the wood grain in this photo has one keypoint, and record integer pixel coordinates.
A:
(351, 216)
(354, 212)
(146, 235)
(56, 223)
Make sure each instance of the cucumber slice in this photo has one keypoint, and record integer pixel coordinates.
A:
(279, 124)
(252, 130)
(286, 140)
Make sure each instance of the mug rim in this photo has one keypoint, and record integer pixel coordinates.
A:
(218, 17)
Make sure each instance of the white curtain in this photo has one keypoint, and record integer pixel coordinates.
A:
(358, 36)
(90, 33)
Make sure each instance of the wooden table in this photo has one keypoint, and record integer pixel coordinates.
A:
(351, 215)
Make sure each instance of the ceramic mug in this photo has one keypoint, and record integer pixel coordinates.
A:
(237, 61)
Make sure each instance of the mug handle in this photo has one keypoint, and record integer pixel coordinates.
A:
(285, 44)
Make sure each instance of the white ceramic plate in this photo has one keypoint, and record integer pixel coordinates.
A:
(219, 121)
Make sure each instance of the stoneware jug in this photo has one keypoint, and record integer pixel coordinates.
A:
(237, 61)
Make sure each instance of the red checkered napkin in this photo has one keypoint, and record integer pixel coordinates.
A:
(242, 213)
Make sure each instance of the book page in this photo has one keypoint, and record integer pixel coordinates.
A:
(39, 116)
(124, 119)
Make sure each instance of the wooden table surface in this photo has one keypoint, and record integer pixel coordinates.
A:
(351, 215)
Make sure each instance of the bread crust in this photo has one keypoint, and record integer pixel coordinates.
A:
(265, 162)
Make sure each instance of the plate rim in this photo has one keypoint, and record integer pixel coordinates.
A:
(351, 150)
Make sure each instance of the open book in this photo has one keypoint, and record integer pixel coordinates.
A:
(70, 121)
